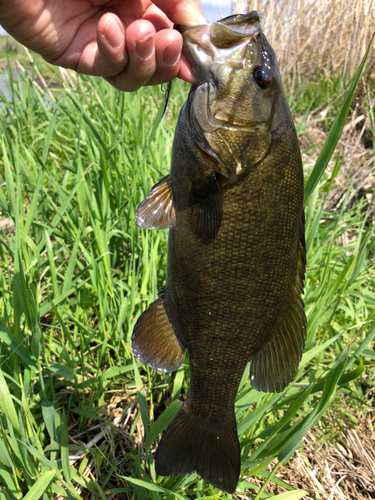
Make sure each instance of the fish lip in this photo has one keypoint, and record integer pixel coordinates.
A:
(234, 30)
(240, 17)
(229, 20)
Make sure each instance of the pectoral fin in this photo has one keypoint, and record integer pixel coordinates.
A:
(206, 205)
(154, 341)
(274, 366)
(157, 210)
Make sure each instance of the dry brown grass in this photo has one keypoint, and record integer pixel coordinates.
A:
(117, 442)
(356, 156)
(343, 471)
(308, 34)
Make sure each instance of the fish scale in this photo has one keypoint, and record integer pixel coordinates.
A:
(233, 204)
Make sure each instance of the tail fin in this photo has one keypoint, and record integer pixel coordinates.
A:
(191, 444)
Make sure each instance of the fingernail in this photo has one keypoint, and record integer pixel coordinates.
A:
(145, 48)
(113, 34)
(172, 53)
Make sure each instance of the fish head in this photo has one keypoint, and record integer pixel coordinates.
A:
(234, 103)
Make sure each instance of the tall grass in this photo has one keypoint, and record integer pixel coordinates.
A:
(78, 414)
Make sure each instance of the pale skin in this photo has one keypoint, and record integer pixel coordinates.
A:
(130, 43)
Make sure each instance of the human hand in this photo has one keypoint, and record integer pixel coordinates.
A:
(129, 42)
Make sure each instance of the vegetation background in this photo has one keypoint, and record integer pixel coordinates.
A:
(79, 417)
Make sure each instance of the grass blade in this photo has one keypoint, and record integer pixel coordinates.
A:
(292, 495)
(7, 405)
(162, 422)
(41, 485)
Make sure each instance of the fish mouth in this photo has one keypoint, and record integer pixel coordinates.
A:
(203, 44)
(229, 30)
(233, 30)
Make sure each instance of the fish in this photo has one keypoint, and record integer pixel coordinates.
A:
(233, 204)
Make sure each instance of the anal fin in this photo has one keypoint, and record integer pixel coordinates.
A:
(154, 341)
(157, 210)
(274, 366)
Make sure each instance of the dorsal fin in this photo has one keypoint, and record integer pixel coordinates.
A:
(157, 210)
(274, 366)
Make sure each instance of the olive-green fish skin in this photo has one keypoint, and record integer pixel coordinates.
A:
(236, 256)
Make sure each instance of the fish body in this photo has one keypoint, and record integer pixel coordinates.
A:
(236, 254)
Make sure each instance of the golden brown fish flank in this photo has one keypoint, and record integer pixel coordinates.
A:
(236, 255)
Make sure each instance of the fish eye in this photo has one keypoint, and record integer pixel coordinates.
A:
(263, 77)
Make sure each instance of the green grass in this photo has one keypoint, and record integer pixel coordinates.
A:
(76, 272)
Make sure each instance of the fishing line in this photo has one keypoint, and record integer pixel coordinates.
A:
(167, 92)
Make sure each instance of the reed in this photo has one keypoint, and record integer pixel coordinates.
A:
(315, 35)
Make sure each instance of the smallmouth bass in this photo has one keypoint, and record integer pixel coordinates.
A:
(236, 253)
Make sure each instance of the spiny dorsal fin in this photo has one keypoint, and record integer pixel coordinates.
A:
(157, 210)
(154, 341)
(274, 366)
